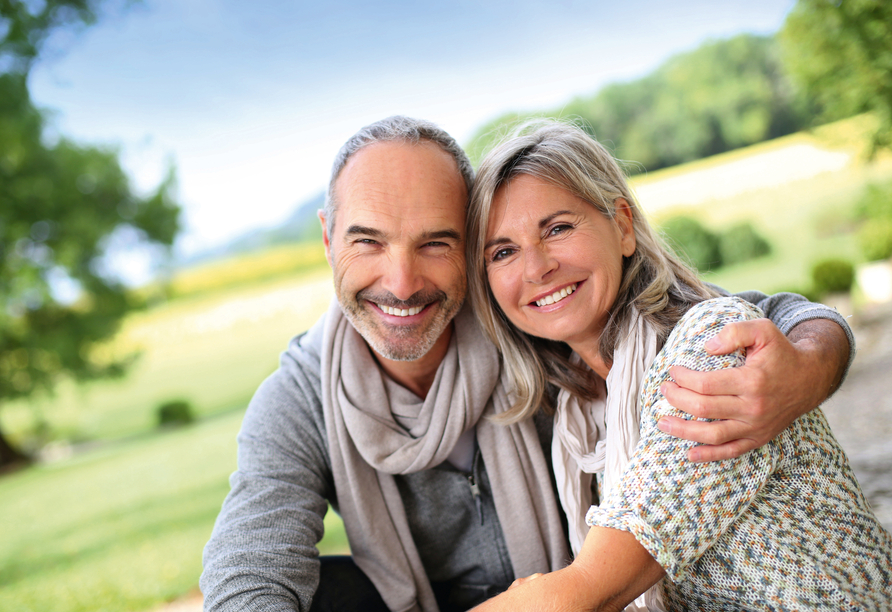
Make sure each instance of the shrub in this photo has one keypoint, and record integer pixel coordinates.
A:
(741, 243)
(693, 242)
(875, 238)
(833, 276)
(876, 203)
(176, 412)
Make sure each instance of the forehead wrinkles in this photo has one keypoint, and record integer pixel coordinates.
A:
(399, 187)
(400, 170)
(509, 210)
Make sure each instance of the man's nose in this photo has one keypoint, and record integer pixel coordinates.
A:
(403, 276)
(538, 264)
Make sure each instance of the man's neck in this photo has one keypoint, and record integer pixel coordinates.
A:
(417, 376)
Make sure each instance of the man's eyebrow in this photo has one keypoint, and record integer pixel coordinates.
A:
(542, 223)
(362, 230)
(439, 234)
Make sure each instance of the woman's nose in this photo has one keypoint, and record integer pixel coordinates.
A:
(537, 264)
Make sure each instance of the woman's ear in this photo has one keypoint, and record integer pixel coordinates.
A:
(623, 218)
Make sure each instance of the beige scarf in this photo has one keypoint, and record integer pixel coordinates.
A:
(373, 434)
(601, 435)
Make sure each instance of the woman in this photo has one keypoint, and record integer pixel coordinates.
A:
(578, 292)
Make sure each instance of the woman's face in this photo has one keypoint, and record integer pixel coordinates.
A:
(554, 262)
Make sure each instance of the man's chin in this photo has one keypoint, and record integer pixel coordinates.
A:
(400, 351)
(397, 340)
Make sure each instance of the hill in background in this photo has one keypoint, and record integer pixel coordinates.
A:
(300, 227)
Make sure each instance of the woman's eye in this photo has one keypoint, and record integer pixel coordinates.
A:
(501, 254)
(560, 229)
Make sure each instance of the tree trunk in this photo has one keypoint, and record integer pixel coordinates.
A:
(10, 457)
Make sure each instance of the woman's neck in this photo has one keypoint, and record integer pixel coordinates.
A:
(591, 355)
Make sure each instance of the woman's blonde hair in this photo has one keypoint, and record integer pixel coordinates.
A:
(654, 281)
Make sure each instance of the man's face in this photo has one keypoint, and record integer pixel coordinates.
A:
(397, 248)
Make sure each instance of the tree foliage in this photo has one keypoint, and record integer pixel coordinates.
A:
(874, 212)
(841, 52)
(60, 206)
(25, 26)
(721, 96)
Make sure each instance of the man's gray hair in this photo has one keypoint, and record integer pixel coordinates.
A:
(394, 129)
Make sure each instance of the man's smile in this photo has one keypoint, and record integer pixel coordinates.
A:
(400, 312)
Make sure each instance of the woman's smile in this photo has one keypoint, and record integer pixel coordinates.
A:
(557, 296)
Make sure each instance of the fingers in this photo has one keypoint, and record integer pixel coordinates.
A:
(520, 581)
(703, 454)
(741, 335)
(709, 432)
(719, 439)
(696, 395)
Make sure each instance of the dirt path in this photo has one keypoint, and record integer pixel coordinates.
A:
(860, 413)
(189, 603)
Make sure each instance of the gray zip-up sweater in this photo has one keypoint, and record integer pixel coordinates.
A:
(262, 553)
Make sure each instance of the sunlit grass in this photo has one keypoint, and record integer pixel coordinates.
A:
(211, 350)
(805, 222)
(248, 268)
(114, 529)
(121, 527)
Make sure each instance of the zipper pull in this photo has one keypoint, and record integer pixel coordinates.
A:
(475, 491)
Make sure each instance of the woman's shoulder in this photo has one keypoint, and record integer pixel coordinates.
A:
(703, 321)
(709, 316)
(723, 307)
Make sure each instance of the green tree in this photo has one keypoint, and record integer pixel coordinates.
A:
(724, 95)
(841, 52)
(60, 205)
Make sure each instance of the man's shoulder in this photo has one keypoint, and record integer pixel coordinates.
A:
(304, 351)
(292, 395)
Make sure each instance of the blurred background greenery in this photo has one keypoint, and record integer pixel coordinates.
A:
(767, 165)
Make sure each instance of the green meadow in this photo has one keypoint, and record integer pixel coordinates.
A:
(116, 515)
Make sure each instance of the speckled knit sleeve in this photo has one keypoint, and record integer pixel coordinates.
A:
(677, 509)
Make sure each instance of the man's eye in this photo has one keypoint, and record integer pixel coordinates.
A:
(436, 244)
(366, 241)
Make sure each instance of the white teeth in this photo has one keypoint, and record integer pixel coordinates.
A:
(401, 312)
(557, 296)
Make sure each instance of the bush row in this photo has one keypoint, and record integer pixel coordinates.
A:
(707, 250)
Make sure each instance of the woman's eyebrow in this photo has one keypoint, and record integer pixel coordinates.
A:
(546, 220)
(542, 223)
(494, 241)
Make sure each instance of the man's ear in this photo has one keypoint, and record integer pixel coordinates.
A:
(325, 238)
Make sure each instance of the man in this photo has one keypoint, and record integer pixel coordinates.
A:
(380, 409)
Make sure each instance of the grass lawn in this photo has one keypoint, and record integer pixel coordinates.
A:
(805, 222)
(120, 527)
(212, 350)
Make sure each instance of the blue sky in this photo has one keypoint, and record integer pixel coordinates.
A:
(251, 100)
